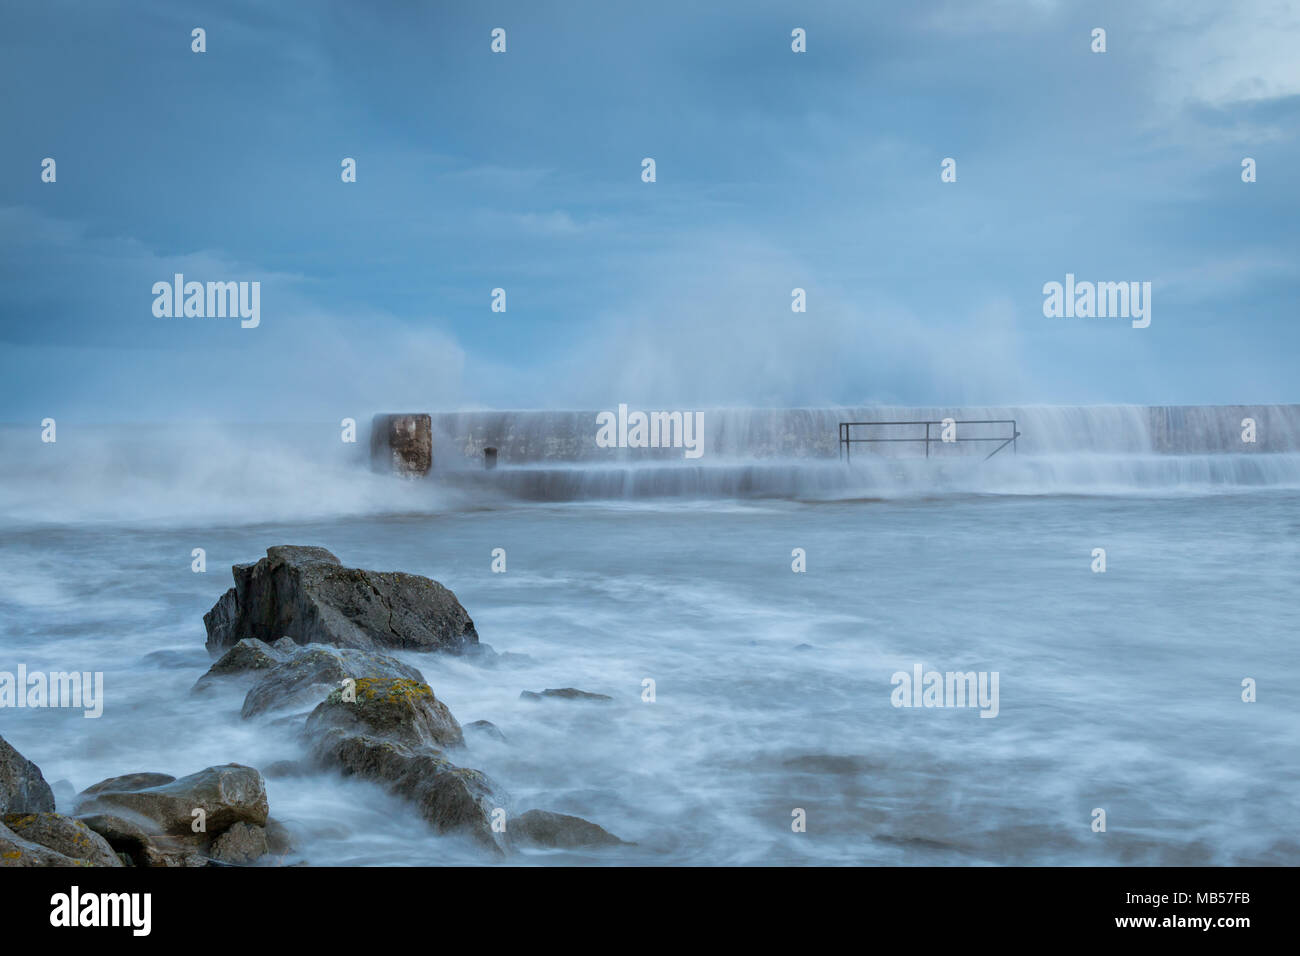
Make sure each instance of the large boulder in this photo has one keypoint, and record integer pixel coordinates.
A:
(394, 733)
(63, 835)
(303, 679)
(405, 711)
(227, 795)
(22, 787)
(304, 593)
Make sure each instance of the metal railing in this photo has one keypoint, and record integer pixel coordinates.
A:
(847, 441)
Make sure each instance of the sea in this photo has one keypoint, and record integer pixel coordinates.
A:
(753, 622)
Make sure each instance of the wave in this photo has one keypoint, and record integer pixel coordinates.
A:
(252, 474)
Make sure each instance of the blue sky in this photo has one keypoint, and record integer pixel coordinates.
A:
(522, 170)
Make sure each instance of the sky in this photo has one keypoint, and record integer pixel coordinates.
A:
(522, 170)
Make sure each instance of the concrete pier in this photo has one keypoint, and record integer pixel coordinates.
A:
(402, 444)
(460, 439)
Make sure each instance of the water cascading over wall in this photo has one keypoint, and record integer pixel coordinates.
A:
(542, 437)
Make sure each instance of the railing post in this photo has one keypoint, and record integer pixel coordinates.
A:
(927, 439)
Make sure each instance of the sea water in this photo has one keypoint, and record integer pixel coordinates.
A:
(1119, 690)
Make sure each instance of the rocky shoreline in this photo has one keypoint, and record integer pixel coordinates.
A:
(304, 634)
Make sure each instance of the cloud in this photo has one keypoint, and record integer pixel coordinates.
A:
(1224, 55)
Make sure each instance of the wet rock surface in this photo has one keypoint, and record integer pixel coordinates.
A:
(306, 594)
(241, 845)
(562, 693)
(542, 828)
(22, 787)
(15, 851)
(397, 733)
(304, 678)
(226, 795)
(354, 711)
(246, 659)
(65, 835)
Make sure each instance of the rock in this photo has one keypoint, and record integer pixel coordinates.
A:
(394, 734)
(22, 787)
(128, 781)
(285, 645)
(402, 710)
(559, 830)
(223, 620)
(64, 835)
(307, 595)
(136, 847)
(453, 799)
(15, 851)
(126, 838)
(566, 693)
(486, 728)
(249, 656)
(278, 838)
(315, 670)
(402, 444)
(241, 845)
(228, 794)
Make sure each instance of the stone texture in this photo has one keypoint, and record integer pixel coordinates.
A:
(305, 594)
(402, 444)
(22, 787)
(241, 845)
(15, 851)
(249, 656)
(64, 835)
(128, 781)
(394, 734)
(405, 711)
(126, 838)
(303, 680)
(227, 794)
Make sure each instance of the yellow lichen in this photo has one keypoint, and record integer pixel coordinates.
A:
(369, 688)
